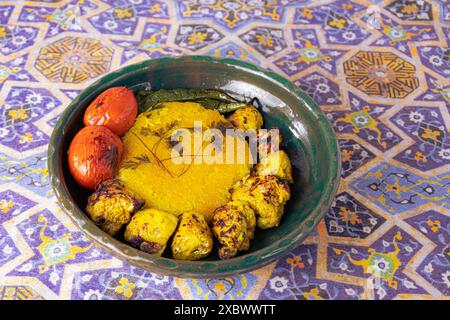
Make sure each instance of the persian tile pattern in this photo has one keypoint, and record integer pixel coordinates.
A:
(122, 16)
(306, 53)
(411, 10)
(18, 293)
(363, 119)
(349, 218)
(378, 69)
(233, 14)
(196, 36)
(322, 89)
(381, 74)
(74, 60)
(267, 41)
(427, 126)
(353, 155)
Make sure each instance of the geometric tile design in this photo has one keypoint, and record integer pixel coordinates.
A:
(350, 218)
(267, 41)
(436, 59)
(364, 120)
(152, 43)
(437, 90)
(397, 35)
(432, 146)
(411, 10)
(353, 155)
(60, 18)
(16, 38)
(382, 263)
(231, 50)
(435, 268)
(21, 110)
(294, 278)
(306, 53)
(18, 293)
(381, 74)
(322, 89)
(195, 37)
(233, 14)
(335, 20)
(74, 60)
(122, 17)
(396, 189)
(378, 69)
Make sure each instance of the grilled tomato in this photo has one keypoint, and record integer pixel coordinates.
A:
(94, 154)
(115, 108)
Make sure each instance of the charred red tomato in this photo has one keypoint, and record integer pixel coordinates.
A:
(94, 155)
(115, 108)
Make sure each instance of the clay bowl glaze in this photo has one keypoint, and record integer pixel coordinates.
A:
(307, 137)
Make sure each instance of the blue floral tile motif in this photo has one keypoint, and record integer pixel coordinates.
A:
(350, 218)
(444, 7)
(59, 19)
(230, 288)
(426, 126)
(436, 58)
(53, 247)
(322, 89)
(123, 16)
(267, 41)
(13, 204)
(196, 36)
(5, 13)
(153, 43)
(293, 278)
(14, 38)
(233, 14)
(307, 53)
(336, 21)
(123, 283)
(398, 35)
(353, 156)
(30, 173)
(364, 120)
(436, 91)
(14, 69)
(411, 10)
(22, 107)
(396, 190)
(435, 268)
(231, 50)
(8, 250)
(382, 264)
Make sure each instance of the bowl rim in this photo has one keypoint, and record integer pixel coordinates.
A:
(193, 269)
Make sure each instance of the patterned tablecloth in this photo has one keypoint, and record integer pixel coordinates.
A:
(379, 70)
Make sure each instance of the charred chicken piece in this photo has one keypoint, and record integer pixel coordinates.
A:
(247, 118)
(268, 142)
(248, 213)
(231, 230)
(111, 206)
(150, 230)
(275, 164)
(266, 195)
(193, 239)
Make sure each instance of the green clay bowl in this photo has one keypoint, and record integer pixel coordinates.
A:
(307, 137)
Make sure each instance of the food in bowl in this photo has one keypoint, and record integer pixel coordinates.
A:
(174, 185)
(147, 168)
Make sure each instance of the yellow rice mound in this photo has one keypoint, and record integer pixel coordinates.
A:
(147, 168)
